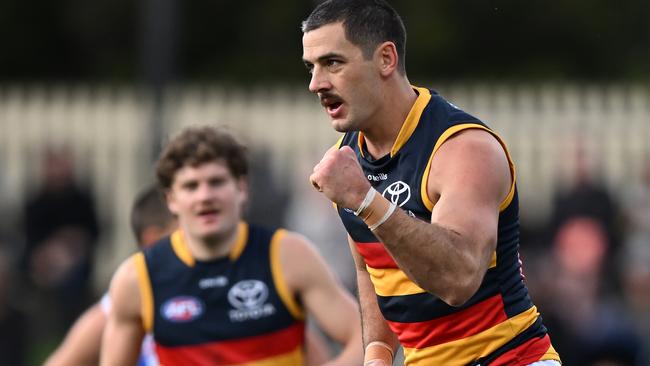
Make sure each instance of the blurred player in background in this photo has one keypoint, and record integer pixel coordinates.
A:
(220, 291)
(150, 221)
(427, 194)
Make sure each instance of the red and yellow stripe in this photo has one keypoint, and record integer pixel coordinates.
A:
(462, 324)
(470, 348)
(280, 348)
(386, 276)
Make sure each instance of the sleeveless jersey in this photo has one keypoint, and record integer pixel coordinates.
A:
(234, 310)
(499, 325)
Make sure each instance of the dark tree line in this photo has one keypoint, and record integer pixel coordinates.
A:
(260, 41)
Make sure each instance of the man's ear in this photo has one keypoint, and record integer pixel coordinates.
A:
(242, 184)
(387, 58)
(171, 202)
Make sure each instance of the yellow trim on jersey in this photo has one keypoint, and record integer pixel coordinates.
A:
(279, 280)
(180, 248)
(444, 137)
(293, 358)
(360, 143)
(466, 350)
(337, 145)
(412, 119)
(242, 239)
(392, 282)
(146, 292)
(410, 123)
(551, 354)
(493, 260)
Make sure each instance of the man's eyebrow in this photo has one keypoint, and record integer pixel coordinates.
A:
(324, 57)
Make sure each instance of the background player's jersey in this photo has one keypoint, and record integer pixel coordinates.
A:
(230, 311)
(499, 323)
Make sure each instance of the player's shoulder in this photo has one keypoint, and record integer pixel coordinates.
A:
(294, 242)
(472, 142)
(299, 255)
(124, 287)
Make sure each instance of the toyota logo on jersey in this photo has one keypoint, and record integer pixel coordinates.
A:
(248, 299)
(398, 193)
(249, 294)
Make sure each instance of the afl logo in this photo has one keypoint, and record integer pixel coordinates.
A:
(182, 309)
(398, 193)
(248, 294)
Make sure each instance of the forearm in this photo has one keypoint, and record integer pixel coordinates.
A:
(379, 342)
(350, 335)
(373, 323)
(437, 259)
(63, 359)
(120, 347)
(82, 343)
(317, 351)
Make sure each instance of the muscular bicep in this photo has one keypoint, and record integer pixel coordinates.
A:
(469, 179)
(124, 330)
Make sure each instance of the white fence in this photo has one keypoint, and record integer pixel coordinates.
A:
(107, 130)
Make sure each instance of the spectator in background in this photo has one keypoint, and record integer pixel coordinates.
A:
(61, 232)
(12, 320)
(150, 221)
(589, 326)
(636, 293)
(584, 195)
(635, 261)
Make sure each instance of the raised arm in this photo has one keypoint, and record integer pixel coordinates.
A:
(334, 309)
(449, 256)
(124, 330)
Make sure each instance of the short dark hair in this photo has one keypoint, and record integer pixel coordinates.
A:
(198, 145)
(367, 24)
(149, 209)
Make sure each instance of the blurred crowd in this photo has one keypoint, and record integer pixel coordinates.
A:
(587, 266)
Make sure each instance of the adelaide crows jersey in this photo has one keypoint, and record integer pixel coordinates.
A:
(499, 325)
(235, 310)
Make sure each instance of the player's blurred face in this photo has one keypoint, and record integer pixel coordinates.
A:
(207, 200)
(347, 84)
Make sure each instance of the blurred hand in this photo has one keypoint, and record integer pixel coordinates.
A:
(340, 177)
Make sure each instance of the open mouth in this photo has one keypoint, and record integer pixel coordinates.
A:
(333, 108)
(208, 213)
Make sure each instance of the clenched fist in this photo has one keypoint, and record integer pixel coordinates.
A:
(339, 176)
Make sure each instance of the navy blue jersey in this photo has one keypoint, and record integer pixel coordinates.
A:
(228, 311)
(500, 317)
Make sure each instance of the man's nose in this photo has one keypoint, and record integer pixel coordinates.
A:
(205, 192)
(319, 81)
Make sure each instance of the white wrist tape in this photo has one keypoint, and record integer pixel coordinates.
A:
(383, 219)
(378, 350)
(366, 201)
